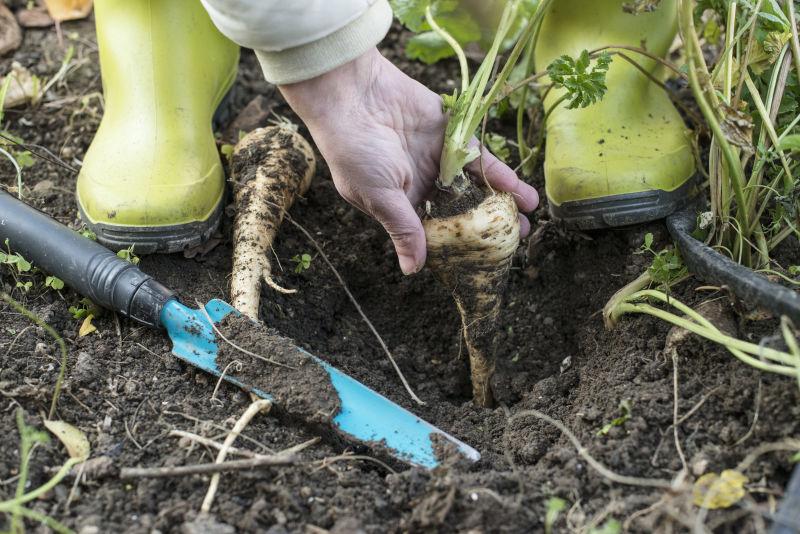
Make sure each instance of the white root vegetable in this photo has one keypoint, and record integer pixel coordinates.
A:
(269, 169)
(471, 254)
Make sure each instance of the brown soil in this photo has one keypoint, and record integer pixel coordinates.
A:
(300, 386)
(126, 391)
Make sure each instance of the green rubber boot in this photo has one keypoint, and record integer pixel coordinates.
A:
(152, 177)
(628, 158)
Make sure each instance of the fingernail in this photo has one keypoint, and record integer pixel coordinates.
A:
(408, 265)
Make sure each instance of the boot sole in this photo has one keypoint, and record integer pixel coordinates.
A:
(155, 239)
(623, 210)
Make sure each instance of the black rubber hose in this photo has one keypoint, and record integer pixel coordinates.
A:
(87, 267)
(787, 520)
(714, 268)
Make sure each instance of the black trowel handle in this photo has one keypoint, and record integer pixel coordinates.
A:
(87, 267)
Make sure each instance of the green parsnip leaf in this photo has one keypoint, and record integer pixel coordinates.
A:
(584, 86)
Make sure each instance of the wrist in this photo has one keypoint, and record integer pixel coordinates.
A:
(333, 92)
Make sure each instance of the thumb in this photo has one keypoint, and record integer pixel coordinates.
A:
(394, 211)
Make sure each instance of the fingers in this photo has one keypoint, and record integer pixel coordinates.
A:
(502, 177)
(524, 226)
(394, 211)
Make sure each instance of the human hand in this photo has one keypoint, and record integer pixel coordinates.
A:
(381, 134)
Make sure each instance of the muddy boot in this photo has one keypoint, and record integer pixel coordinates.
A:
(152, 176)
(628, 158)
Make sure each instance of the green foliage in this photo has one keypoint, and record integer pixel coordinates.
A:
(611, 526)
(86, 232)
(466, 24)
(16, 261)
(498, 145)
(54, 283)
(625, 409)
(428, 47)
(584, 85)
(84, 309)
(227, 151)
(128, 255)
(555, 506)
(29, 439)
(411, 13)
(24, 286)
(667, 265)
(302, 262)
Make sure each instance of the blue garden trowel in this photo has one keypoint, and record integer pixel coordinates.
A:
(365, 417)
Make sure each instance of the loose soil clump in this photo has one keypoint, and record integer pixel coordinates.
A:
(299, 385)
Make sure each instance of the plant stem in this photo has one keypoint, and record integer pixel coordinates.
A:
(703, 323)
(795, 41)
(462, 58)
(770, 129)
(693, 56)
(709, 334)
(8, 506)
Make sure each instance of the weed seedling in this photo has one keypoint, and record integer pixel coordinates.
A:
(555, 506)
(625, 408)
(667, 266)
(128, 255)
(86, 232)
(302, 262)
(54, 282)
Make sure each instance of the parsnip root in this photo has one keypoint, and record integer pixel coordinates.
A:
(269, 169)
(471, 254)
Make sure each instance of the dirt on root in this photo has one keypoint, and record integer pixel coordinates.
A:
(445, 204)
(265, 362)
(127, 392)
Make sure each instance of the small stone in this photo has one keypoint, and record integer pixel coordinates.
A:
(44, 187)
(566, 363)
(700, 466)
(206, 525)
(38, 17)
(548, 321)
(130, 387)
(10, 32)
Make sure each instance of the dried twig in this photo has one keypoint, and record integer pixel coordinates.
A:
(208, 442)
(205, 469)
(244, 420)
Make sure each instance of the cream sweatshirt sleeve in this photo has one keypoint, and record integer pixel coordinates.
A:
(296, 40)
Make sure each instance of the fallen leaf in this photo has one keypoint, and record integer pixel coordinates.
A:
(10, 33)
(87, 327)
(715, 491)
(72, 437)
(737, 127)
(62, 10)
(23, 88)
